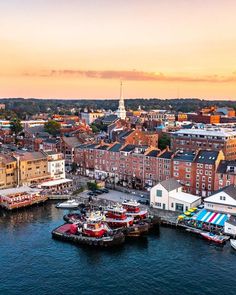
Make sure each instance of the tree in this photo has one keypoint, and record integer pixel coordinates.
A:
(164, 141)
(16, 127)
(92, 185)
(94, 128)
(52, 127)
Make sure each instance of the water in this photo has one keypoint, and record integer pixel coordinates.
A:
(171, 262)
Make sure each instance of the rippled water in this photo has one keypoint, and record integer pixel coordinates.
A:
(170, 262)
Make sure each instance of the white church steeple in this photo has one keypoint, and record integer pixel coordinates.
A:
(121, 112)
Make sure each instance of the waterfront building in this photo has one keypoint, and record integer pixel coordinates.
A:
(205, 166)
(13, 198)
(169, 195)
(8, 175)
(223, 200)
(56, 165)
(32, 167)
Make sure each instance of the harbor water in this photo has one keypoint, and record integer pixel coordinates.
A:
(167, 262)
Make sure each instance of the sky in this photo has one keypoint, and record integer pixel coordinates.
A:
(83, 48)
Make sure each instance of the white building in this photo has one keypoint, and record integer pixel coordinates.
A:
(90, 117)
(223, 200)
(230, 226)
(168, 195)
(121, 112)
(56, 165)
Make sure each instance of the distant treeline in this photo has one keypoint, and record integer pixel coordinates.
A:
(27, 107)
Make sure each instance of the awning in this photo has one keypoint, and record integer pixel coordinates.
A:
(55, 182)
(211, 217)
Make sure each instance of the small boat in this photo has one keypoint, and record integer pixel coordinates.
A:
(213, 237)
(69, 204)
(233, 243)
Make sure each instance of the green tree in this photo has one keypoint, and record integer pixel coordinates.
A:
(16, 127)
(52, 127)
(94, 128)
(164, 141)
(92, 185)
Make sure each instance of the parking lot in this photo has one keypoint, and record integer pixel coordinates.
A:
(115, 196)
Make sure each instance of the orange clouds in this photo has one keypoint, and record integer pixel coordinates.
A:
(134, 76)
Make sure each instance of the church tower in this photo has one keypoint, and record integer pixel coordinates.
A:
(121, 112)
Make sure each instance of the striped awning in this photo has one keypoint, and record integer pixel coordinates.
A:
(211, 217)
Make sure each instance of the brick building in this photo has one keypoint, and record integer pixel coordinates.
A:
(212, 139)
(225, 174)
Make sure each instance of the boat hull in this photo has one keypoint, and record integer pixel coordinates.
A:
(63, 233)
(233, 243)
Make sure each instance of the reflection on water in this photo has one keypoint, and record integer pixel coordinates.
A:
(168, 261)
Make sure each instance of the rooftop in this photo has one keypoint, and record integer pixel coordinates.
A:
(185, 156)
(170, 184)
(116, 147)
(153, 153)
(166, 155)
(218, 132)
(18, 190)
(207, 157)
(184, 197)
(128, 148)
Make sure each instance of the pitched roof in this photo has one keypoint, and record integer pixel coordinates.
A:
(128, 148)
(31, 156)
(185, 156)
(229, 190)
(166, 155)
(224, 164)
(71, 141)
(170, 184)
(206, 157)
(153, 153)
(116, 147)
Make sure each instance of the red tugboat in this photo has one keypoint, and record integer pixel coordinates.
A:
(94, 227)
(133, 210)
(92, 232)
(116, 217)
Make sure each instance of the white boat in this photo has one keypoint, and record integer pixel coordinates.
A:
(233, 243)
(69, 204)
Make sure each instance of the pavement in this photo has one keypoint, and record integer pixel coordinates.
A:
(115, 196)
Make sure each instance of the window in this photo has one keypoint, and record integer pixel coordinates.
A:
(158, 204)
(176, 174)
(172, 205)
(159, 193)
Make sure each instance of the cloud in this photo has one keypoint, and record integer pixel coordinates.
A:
(134, 76)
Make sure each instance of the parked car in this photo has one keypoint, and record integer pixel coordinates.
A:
(92, 194)
(98, 191)
(105, 190)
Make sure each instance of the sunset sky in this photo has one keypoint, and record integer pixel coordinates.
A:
(81, 49)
